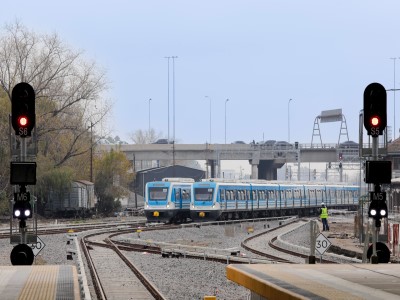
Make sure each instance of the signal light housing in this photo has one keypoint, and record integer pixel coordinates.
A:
(375, 110)
(377, 209)
(22, 210)
(23, 109)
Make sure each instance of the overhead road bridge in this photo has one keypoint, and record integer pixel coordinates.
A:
(264, 161)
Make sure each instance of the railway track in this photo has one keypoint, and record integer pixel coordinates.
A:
(105, 256)
(275, 252)
(52, 229)
(113, 274)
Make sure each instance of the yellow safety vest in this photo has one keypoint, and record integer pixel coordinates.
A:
(324, 213)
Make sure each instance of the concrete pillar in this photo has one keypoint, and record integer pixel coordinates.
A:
(254, 168)
(212, 164)
(268, 169)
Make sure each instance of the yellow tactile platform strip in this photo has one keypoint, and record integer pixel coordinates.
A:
(325, 281)
(39, 282)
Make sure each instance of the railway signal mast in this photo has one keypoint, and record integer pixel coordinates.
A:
(22, 171)
(378, 172)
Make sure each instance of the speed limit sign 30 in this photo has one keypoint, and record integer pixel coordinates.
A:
(36, 248)
(322, 244)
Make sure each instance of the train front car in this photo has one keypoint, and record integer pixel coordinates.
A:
(204, 206)
(168, 201)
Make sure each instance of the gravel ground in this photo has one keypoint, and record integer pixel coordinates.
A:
(182, 279)
(177, 278)
(54, 253)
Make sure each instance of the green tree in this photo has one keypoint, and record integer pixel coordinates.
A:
(112, 177)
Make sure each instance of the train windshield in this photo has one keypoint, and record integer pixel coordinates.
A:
(158, 193)
(203, 194)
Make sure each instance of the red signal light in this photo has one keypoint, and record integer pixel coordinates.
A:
(23, 121)
(375, 121)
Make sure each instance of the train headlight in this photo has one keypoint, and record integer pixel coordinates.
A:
(213, 206)
(167, 205)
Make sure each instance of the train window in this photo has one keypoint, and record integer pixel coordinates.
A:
(158, 193)
(271, 195)
(248, 195)
(177, 193)
(232, 195)
(255, 195)
(203, 194)
(222, 194)
(185, 194)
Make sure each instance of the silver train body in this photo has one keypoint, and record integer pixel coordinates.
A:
(221, 200)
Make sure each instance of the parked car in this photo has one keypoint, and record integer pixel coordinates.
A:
(283, 145)
(348, 145)
(162, 141)
(238, 142)
(269, 144)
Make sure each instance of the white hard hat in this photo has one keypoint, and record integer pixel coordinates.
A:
(322, 203)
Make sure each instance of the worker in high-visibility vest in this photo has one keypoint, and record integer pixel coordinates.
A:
(324, 217)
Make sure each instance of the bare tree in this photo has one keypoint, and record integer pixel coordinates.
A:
(144, 137)
(69, 90)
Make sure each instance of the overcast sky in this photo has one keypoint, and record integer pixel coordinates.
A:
(257, 54)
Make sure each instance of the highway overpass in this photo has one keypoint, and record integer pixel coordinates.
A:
(264, 161)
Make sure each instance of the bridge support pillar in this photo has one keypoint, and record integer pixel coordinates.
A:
(254, 168)
(213, 164)
(268, 169)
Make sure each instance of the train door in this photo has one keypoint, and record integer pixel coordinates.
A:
(328, 195)
(178, 197)
(223, 198)
(186, 197)
(282, 198)
(289, 197)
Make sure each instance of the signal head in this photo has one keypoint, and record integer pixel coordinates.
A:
(375, 110)
(23, 109)
(22, 210)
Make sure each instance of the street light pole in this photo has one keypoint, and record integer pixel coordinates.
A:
(210, 118)
(288, 113)
(168, 57)
(225, 118)
(149, 116)
(173, 95)
(394, 97)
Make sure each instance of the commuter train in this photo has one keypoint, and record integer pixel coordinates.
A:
(168, 200)
(215, 199)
